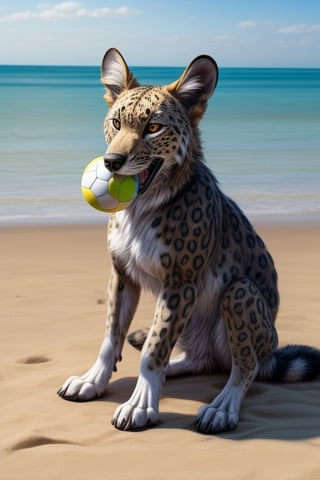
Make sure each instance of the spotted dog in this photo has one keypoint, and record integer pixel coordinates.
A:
(187, 242)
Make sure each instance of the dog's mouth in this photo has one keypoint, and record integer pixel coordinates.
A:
(147, 175)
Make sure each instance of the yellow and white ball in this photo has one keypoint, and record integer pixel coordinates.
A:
(107, 191)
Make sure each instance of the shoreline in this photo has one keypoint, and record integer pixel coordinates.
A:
(271, 222)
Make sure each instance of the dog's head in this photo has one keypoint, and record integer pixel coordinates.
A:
(151, 131)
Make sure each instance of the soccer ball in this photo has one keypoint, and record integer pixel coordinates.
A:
(107, 191)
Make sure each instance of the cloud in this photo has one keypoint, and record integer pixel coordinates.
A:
(66, 11)
(299, 28)
(294, 29)
(248, 24)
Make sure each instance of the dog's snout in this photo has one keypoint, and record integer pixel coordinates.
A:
(114, 161)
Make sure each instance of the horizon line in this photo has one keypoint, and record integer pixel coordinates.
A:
(153, 66)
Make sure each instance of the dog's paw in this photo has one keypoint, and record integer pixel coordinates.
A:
(216, 420)
(77, 389)
(93, 383)
(222, 414)
(131, 417)
(142, 409)
(89, 386)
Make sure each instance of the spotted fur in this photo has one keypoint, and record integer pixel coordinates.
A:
(188, 243)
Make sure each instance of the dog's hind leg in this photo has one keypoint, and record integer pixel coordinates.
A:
(252, 339)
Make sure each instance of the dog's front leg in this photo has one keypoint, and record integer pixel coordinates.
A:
(123, 298)
(172, 312)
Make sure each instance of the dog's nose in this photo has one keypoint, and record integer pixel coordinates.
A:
(114, 161)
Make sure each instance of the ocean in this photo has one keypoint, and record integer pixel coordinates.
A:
(261, 138)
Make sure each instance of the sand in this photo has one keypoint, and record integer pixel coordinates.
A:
(53, 287)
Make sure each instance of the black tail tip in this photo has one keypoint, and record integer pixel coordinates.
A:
(297, 363)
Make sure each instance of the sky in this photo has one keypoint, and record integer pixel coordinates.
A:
(248, 33)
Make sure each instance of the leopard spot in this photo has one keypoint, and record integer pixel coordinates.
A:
(163, 332)
(192, 246)
(260, 242)
(188, 294)
(262, 260)
(156, 222)
(225, 278)
(197, 215)
(177, 213)
(185, 259)
(237, 236)
(253, 317)
(234, 222)
(249, 302)
(251, 241)
(184, 229)
(238, 308)
(260, 306)
(245, 351)
(234, 272)
(242, 337)
(240, 293)
(174, 301)
(205, 241)
(198, 262)
(165, 260)
(178, 244)
(253, 289)
(209, 193)
(260, 338)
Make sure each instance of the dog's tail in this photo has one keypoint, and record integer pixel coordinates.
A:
(137, 338)
(293, 363)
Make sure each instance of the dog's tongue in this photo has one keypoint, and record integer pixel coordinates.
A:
(147, 175)
(143, 176)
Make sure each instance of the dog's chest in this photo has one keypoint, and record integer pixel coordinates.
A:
(136, 250)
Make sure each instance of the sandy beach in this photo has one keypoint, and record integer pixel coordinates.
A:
(53, 290)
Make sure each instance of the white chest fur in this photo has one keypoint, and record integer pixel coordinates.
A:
(134, 245)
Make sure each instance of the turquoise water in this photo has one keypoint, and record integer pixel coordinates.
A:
(261, 136)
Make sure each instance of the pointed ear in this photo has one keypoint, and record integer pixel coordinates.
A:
(115, 75)
(195, 86)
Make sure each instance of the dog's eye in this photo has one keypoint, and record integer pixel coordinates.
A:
(153, 128)
(116, 123)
